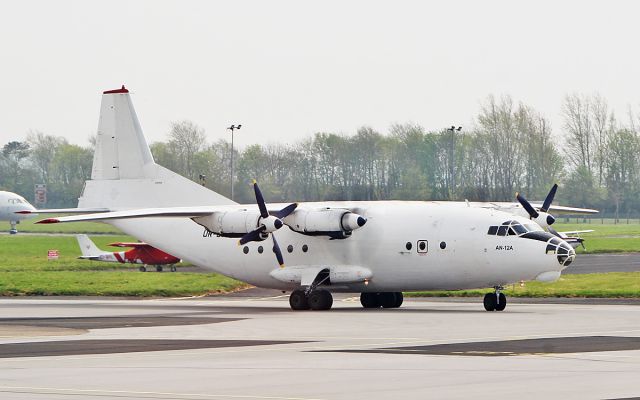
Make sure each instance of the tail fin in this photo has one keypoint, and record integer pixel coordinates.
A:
(87, 247)
(124, 174)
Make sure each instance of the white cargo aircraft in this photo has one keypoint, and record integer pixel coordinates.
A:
(376, 248)
(14, 208)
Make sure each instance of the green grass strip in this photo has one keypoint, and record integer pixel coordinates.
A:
(607, 285)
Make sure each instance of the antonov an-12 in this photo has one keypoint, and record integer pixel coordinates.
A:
(376, 248)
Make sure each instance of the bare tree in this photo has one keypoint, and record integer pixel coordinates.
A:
(186, 139)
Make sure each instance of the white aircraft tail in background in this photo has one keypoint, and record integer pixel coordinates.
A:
(89, 249)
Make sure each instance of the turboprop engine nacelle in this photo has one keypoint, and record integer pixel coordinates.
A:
(333, 222)
(544, 220)
(232, 223)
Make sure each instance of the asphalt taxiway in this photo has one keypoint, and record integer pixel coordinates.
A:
(252, 347)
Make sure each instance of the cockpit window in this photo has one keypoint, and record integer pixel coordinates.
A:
(511, 228)
(532, 228)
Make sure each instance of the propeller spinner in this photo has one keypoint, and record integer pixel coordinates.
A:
(267, 224)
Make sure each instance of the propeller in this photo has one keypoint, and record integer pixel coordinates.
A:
(547, 219)
(267, 224)
(557, 234)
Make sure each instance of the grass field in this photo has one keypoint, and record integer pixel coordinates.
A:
(24, 269)
(607, 238)
(612, 284)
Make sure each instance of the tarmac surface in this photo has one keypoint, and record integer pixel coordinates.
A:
(251, 346)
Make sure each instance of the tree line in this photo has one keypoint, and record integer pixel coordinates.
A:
(509, 148)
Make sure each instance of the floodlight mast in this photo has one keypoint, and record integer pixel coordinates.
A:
(232, 128)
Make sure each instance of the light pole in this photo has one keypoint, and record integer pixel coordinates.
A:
(452, 178)
(232, 128)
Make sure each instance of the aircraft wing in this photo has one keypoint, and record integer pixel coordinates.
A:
(569, 210)
(570, 233)
(129, 244)
(171, 212)
(552, 208)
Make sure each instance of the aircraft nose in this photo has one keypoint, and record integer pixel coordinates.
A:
(565, 254)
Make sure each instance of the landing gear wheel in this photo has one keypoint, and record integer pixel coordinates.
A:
(387, 299)
(369, 300)
(173, 268)
(502, 301)
(490, 302)
(298, 300)
(399, 299)
(143, 269)
(159, 268)
(320, 300)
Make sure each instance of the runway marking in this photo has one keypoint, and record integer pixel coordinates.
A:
(102, 392)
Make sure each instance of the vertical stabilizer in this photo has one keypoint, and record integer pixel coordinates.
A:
(87, 247)
(124, 174)
(121, 149)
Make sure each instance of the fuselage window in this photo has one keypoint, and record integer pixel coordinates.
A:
(443, 245)
(492, 230)
(260, 249)
(423, 246)
(502, 230)
(408, 246)
(245, 250)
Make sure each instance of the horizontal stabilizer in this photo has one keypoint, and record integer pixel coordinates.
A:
(65, 211)
(184, 212)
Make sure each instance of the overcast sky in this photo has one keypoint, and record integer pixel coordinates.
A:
(288, 69)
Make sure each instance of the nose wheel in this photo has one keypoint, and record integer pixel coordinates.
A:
(496, 301)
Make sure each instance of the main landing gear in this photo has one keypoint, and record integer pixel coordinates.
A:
(382, 299)
(496, 301)
(318, 299)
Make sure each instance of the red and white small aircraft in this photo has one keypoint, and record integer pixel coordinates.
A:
(141, 253)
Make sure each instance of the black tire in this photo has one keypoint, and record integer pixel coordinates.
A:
(159, 268)
(143, 269)
(490, 301)
(298, 300)
(320, 300)
(399, 299)
(387, 299)
(173, 268)
(502, 302)
(369, 300)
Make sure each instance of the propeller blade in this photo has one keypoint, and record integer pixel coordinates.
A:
(276, 249)
(260, 200)
(549, 199)
(527, 206)
(285, 211)
(554, 232)
(253, 236)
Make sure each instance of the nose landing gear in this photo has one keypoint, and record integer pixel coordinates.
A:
(383, 299)
(496, 301)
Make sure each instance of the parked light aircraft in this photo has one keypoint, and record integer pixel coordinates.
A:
(140, 253)
(376, 248)
(14, 208)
